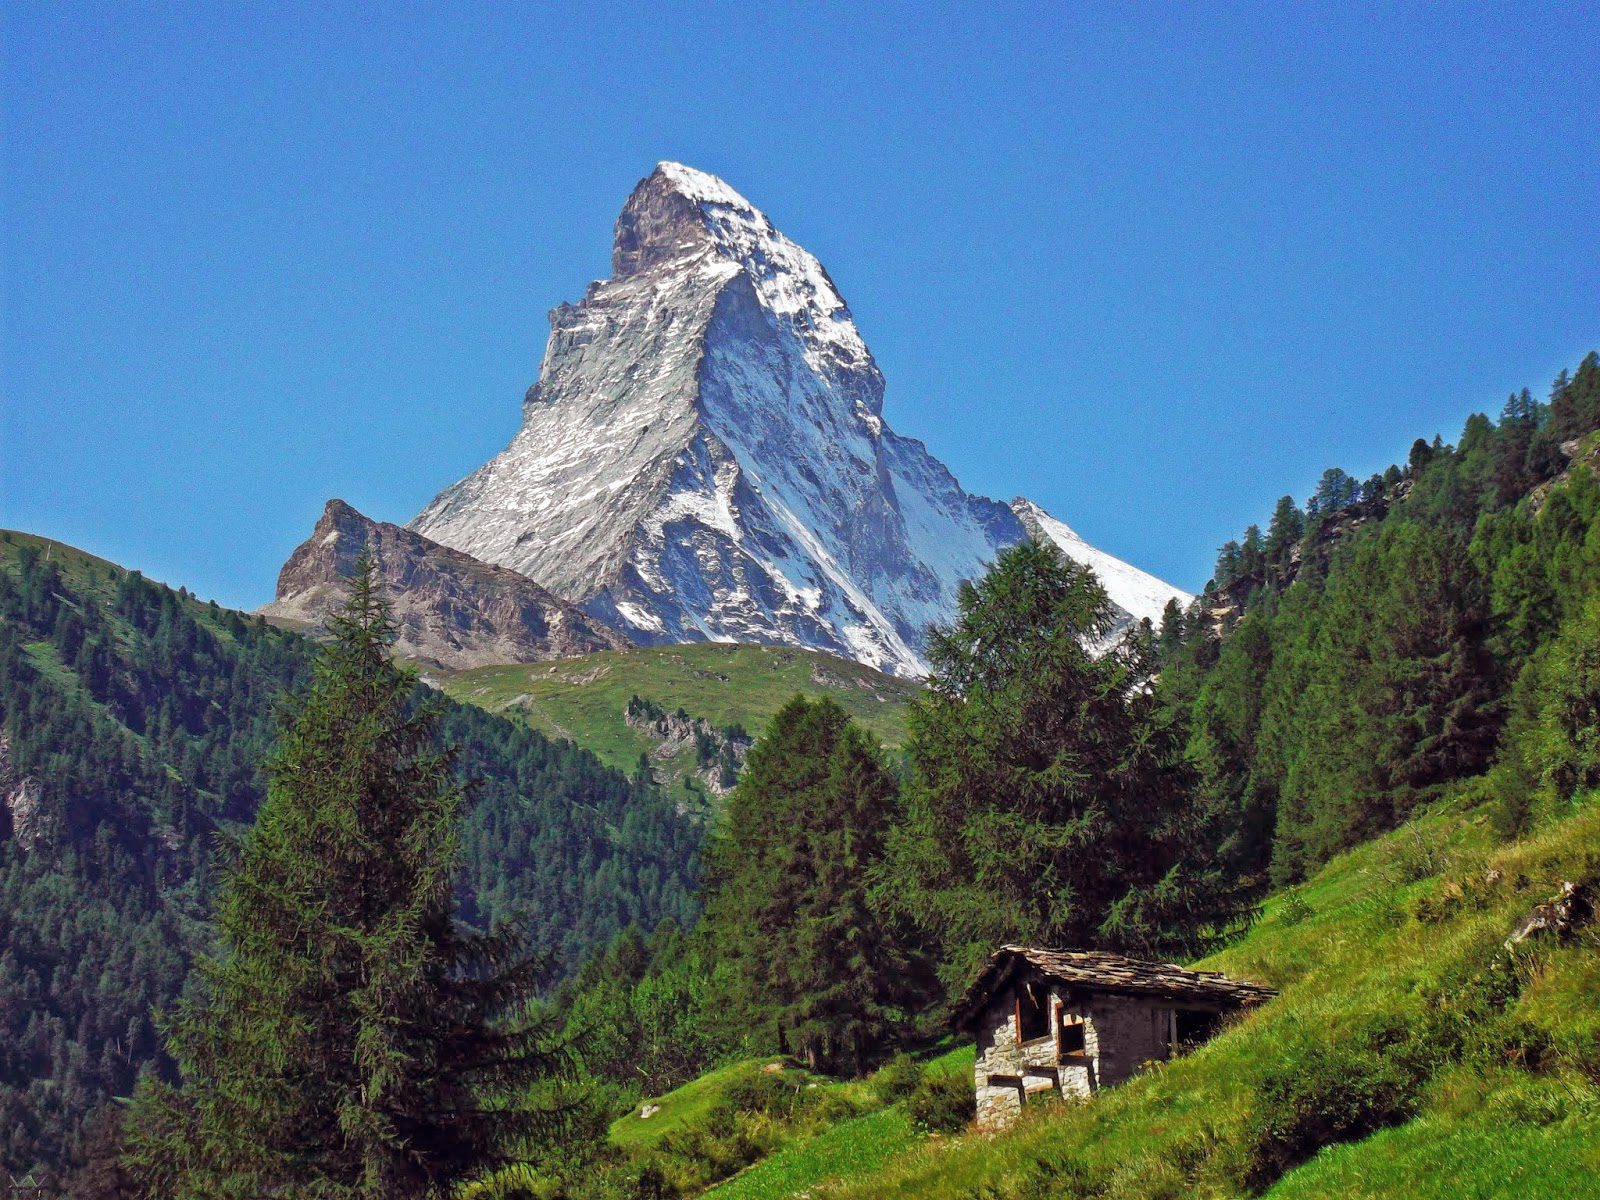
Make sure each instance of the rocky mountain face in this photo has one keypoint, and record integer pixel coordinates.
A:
(27, 814)
(704, 456)
(450, 609)
(719, 753)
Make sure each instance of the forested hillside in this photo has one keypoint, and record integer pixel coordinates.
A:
(1399, 634)
(1419, 649)
(134, 721)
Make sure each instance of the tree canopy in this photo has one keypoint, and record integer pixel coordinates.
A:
(347, 1037)
(1048, 799)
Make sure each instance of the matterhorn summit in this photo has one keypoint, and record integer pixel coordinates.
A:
(704, 456)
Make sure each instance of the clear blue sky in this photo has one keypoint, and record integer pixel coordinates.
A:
(1151, 266)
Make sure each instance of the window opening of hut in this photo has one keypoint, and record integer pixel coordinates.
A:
(1072, 1030)
(1033, 1013)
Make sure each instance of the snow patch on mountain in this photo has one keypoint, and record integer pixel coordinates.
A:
(1137, 593)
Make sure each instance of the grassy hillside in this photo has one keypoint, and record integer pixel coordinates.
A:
(584, 699)
(1407, 1046)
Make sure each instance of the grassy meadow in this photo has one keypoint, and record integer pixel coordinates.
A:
(1409, 1054)
(585, 699)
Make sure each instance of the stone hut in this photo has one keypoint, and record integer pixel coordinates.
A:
(1068, 1022)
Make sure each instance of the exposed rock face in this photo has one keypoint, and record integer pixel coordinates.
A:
(1570, 907)
(28, 814)
(450, 609)
(704, 455)
(720, 753)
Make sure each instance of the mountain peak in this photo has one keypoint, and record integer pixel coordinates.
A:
(449, 609)
(704, 456)
(677, 214)
(700, 186)
(679, 219)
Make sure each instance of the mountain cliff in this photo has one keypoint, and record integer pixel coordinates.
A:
(450, 610)
(704, 455)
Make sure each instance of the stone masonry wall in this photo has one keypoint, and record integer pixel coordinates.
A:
(1124, 1032)
(998, 1055)
(1121, 1033)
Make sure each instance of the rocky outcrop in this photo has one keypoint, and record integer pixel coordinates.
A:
(1570, 907)
(719, 752)
(29, 815)
(450, 610)
(704, 455)
(1578, 453)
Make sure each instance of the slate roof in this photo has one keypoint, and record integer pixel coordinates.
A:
(1102, 971)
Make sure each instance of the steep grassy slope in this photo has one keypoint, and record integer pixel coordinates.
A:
(585, 699)
(1398, 1008)
(1417, 1054)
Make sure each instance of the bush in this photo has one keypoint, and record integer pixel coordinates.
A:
(897, 1079)
(773, 1093)
(941, 1103)
(1294, 909)
(1321, 1094)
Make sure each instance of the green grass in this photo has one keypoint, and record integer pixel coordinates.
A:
(1519, 1137)
(1377, 933)
(81, 568)
(680, 1107)
(858, 1145)
(855, 1146)
(1388, 922)
(958, 1060)
(585, 699)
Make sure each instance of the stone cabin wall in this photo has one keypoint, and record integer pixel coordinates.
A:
(1120, 1034)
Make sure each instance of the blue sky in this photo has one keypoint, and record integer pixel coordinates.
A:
(1152, 266)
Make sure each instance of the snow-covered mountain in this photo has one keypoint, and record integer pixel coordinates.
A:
(704, 456)
(1137, 593)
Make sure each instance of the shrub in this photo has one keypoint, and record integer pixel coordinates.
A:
(769, 1092)
(1411, 859)
(1294, 909)
(941, 1103)
(897, 1079)
(1320, 1094)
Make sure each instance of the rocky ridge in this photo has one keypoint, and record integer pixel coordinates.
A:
(719, 752)
(450, 610)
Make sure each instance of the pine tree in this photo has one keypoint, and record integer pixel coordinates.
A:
(344, 1041)
(1227, 568)
(810, 960)
(1049, 800)
(1284, 531)
(1380, 691)
(1170, 638)
(1575, 406)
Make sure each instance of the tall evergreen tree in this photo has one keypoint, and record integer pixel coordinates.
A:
(345, 1039)
(810, 958)
(1380, 690)
(1049, 799)
(1575, 405)
(1284, 531)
